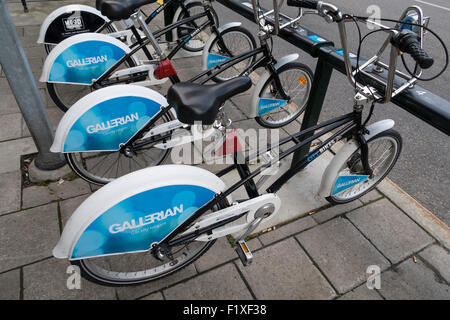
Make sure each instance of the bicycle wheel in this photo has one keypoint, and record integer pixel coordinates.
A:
(296, 80)
(137, 268)
(49, 47)
(103, 167)
(237, 40)
(64, 95)
(384, 150)
(196, 43)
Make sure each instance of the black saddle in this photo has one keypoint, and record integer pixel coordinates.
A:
(196, 102)
(120, 9)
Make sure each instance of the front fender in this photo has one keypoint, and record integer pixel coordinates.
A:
(330, 175)
(135, 211)
(260, 106)
(70, 20)
(106, 118)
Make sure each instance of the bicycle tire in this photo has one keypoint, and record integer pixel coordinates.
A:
(305, 75)
(180, 29)
(369, 184)
(87, 174)
(92, 275)
(231, 33)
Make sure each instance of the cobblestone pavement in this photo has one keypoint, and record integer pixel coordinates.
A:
(322, 253)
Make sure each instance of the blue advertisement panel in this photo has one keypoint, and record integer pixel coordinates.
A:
(85, 61)
(108, 124)
(137, 222)
(266, 105)
(345, 182)
(215, 59)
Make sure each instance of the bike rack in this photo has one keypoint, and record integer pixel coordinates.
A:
(418, 101)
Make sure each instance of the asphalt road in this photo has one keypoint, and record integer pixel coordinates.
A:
(423, 168)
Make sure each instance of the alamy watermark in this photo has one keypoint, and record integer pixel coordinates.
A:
(209, 145)
(374, 279)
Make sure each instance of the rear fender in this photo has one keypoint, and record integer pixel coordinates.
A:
(70, 20)
(107, 118)
(136, 211)
(83, 58)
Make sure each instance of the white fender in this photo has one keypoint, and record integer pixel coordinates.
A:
(208, 43)
(58, 25)
(257, 106)
(82, 58)
(331, 172)
(106, 118)
(135, 211)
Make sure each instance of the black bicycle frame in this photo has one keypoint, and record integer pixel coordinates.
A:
(143, 43)
(350, 126)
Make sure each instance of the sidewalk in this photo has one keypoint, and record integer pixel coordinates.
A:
(316, 251)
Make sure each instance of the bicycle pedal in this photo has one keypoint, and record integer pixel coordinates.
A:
(244, 252)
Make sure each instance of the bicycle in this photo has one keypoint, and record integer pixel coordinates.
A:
(153, 222)
(283, 89)
(89, 61)
(97, 161)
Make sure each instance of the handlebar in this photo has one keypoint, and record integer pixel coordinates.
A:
(408, 42)
(307, 4)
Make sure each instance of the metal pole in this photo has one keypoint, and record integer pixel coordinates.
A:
(322, 76)
(22, 84)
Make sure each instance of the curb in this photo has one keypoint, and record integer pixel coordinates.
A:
(413, 209)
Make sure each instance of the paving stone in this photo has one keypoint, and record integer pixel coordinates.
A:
(37, 195)
(335, 211)
(416, 211)
(37, 175)
(439, 258)
(47, 280)
(284, 271)
(390, 230)
(54, 115)
(153, 296)
(67, 207)
(10, 188)
(220, 253)
(341, 252)
(10, 126)
(413, 281)
(223, 283)
(131, 293)
(70, 189)
(28, 236)
(287, 230)
(8, 103)
(11, 152)
(361, 293)
(371, 196)
(10, 285)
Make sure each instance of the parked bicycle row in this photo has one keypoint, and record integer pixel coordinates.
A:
(152, 219)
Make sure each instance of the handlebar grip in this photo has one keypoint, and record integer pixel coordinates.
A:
(308, 4)
(408, 42)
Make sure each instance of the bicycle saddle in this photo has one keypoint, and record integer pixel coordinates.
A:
(120, 9)
(195, 102)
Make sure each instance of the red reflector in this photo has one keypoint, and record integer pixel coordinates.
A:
(164, 70)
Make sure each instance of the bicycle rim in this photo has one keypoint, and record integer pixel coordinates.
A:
(196, 43)
(384, 151)
(237, 43)
(296, 81)
(104, 167)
